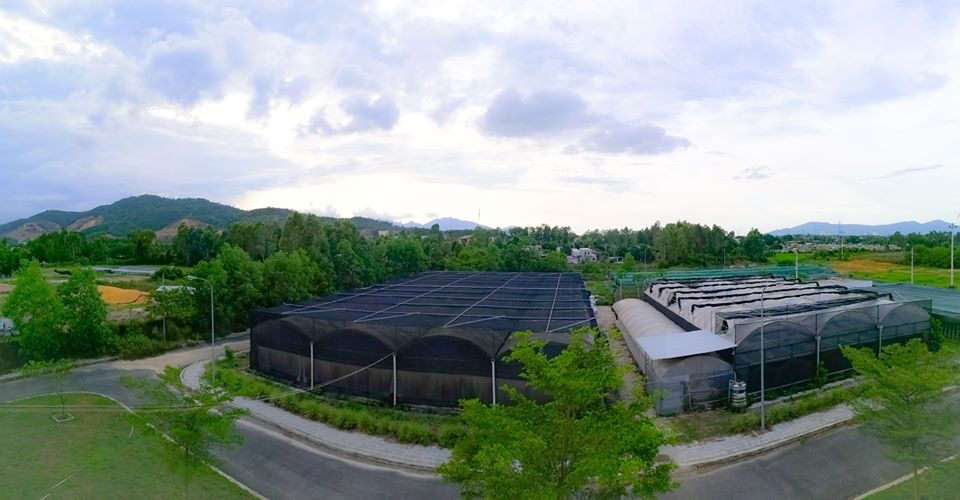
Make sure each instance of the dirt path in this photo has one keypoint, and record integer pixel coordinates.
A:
(608, 321)
(184, 357)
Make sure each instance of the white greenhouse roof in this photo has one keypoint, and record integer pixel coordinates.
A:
(678, 345)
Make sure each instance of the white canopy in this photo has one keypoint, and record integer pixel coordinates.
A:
(678, 345)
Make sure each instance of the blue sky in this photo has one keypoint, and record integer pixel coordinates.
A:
(742, 114)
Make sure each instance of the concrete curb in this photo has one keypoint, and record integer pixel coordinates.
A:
(214, 468)
(703, 465)
(352, 454)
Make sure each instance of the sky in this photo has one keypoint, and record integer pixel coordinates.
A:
(581, 114)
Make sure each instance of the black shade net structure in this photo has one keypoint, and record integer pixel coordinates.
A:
(434, 338)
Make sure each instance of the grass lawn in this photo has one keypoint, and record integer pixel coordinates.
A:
(94, 456)
(881, 270)
(943, 481)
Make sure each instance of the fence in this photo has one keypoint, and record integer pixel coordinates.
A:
(951, 328)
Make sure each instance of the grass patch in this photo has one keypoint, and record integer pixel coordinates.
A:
(894, 272)
(942, 481)
(402, 426)
(97, 452)
(710, 424)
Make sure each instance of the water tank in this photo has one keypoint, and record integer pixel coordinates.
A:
(738, 394)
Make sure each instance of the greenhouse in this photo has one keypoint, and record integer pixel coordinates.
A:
(435, 338)
(803, 325)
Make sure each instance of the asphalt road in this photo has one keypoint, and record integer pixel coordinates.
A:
(839, 464)
(272, 464)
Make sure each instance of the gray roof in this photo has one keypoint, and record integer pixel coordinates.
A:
(946, 302)
(678, 345)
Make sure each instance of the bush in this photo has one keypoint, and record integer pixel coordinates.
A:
(168, 272)
(138, 346)
(346, 415)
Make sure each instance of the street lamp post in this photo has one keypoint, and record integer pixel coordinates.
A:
(953, 232)
(163, 285)
(763, 363)
(213, 349)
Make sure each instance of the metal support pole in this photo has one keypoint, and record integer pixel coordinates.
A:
(879, 339)
(796, 264)
(763, 363)
(953, 232)
(493, 378)
(911, 264)
(394, 379)
(163, 284)
(213, 346)
(311, 365)
(818, 353)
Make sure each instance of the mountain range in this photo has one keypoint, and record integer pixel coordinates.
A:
(827, 228)
(446, 224)
(162, 215)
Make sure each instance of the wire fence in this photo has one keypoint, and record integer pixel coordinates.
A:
(951, 329)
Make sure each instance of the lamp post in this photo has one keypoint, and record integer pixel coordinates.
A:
(213, 350)
(763, 362)
(953, 232)
(163, 285)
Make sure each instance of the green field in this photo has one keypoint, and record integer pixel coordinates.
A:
(876, 266)
(100, 454)
(943, 481)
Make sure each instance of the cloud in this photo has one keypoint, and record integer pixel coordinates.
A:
(512, 114)
(370, 213)
(361, 114)
(755, 173)
(183, 72)
(638, 139)
(907, 171)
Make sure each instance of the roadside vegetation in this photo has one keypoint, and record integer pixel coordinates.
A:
(939, 481)
(346, 414)
(579, 443)
(101, 453)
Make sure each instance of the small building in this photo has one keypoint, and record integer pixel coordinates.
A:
(581, 255)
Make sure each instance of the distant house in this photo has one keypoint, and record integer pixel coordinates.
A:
(581, 255)
(464, 239)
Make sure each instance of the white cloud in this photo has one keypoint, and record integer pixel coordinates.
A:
(441, 107)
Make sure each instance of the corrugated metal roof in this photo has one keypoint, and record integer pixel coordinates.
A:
(678, 345)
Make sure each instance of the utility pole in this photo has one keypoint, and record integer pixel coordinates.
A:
(911, 264)
(840, 226)
(953, 232)
(796, 263)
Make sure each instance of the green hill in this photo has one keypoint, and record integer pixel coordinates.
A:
(155, 213)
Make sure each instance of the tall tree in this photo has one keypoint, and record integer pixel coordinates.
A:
(85, 316)
(904, 402)
(37, 313)
(580, 443)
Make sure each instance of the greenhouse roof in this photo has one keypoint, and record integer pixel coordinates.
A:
(500, 301)
(678, 345)
(946, 302)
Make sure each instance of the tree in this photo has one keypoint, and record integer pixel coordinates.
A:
(85, 316)
(58, 370)
(904, 403)
(580, 443)
(196, 421)
(177, 305)
(753, 246)
(289, 277)
(37, 313)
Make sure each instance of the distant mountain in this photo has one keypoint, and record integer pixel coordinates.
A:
(446, 224)
(158, 214)
(138, 212)
(826, 228)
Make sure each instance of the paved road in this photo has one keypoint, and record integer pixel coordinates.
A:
(268, 462)
(840, 464)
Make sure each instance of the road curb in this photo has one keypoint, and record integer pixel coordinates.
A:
(704, 465)
(317, 442)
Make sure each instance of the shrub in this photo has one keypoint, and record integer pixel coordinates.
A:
(138, 346)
